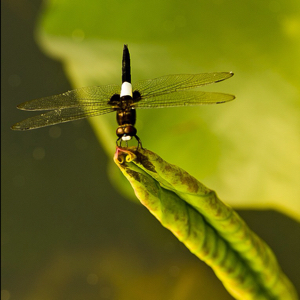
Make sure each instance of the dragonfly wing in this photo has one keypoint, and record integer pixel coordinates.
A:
(60, 116)
(87, 96)
(183, 98)
(173, 83)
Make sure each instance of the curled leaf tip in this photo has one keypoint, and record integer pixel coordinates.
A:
(123, 155)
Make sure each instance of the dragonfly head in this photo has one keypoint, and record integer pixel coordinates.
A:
(126, 132)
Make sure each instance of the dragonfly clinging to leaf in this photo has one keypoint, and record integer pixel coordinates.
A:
(165, 91)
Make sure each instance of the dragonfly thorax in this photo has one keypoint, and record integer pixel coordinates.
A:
(126, 116)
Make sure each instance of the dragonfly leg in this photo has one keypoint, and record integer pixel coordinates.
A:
(139, 142)
(120, 144)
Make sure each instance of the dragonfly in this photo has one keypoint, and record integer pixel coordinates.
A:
(165, 91)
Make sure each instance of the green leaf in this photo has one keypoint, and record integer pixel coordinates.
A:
(210, 229)
(253, 140)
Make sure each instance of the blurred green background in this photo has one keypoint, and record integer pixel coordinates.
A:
(67, 232)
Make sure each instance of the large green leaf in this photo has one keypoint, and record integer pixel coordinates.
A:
(247, 149)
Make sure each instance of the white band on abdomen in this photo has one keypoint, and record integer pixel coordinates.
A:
(126, 89)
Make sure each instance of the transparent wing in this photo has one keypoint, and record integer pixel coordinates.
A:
(183, 98)
(60, 116)
(86, 96)
(72, 105)
(173, 83)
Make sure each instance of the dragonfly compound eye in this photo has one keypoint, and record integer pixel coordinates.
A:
(130, 130)
(120, 131)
